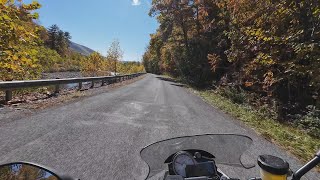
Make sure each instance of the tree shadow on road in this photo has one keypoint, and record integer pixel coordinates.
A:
(178, 85)
(167, 79)
(174, 82)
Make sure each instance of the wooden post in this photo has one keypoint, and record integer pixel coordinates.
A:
(80, 86)
(57, 89)
(8, 95)
(92, 85)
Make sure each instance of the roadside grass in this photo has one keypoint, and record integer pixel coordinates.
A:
(292, 139)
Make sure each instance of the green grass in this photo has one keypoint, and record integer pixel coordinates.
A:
(290, 138)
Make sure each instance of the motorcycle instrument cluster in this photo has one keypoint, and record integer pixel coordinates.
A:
(180, 161)
(193, 164)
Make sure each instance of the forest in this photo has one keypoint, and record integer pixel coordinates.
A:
(27, 49)
(265, 52)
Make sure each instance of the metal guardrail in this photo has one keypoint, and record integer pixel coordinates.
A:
(9, 86)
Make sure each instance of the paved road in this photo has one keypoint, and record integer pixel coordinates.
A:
(100, 137)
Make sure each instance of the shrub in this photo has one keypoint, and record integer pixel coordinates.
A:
(236, 95)
(311, 121)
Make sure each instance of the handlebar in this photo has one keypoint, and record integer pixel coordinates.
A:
(306, 168)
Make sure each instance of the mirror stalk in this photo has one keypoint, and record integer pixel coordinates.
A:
(307, 167)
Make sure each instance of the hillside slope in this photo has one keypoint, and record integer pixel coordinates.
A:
(80, 48)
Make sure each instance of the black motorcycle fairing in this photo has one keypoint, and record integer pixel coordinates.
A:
(227, 149)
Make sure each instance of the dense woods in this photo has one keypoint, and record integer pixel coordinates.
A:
(27, 49)
(264, 52)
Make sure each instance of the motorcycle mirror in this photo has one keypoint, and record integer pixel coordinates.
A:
(28, 171)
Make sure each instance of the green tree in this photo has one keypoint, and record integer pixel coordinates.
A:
(58, 40)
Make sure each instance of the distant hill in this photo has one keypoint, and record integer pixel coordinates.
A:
(80, 49)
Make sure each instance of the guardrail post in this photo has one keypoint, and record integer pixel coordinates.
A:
(57, 88)
(92, 85)
(80, 86)
(103, 82)
(8, 95)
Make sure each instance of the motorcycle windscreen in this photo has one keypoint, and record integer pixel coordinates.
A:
(227, 149)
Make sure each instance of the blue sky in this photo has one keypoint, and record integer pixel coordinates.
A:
(96, 23)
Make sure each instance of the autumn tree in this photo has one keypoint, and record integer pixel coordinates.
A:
(179, 45)
(268, 48)
(19, 40)
(130, 67)
(114, 55)
(93, 65)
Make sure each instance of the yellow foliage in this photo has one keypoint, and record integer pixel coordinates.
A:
(94, 65)
(130, 67)
(19, 41)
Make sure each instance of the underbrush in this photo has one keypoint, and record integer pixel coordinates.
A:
(308, 122)
(43, 90)
(21, 95)
(236, 95)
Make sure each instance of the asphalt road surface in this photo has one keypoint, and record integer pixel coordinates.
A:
(100, 137)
